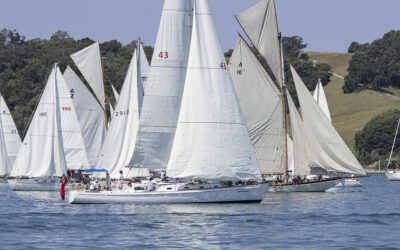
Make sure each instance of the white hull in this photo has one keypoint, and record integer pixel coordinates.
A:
(254, 193)
(393, 175)
(349, 183)
(321, 186)
(35, 185)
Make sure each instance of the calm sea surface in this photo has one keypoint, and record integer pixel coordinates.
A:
(359, 218)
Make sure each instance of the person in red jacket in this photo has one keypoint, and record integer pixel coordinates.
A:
(64, 181)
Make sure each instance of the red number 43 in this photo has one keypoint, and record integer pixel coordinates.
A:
(163, 54)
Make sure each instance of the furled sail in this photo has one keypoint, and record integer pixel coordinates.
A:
(5, 166)
(211, 140)
(261, 26)
(90, 116)
(320, 98)
(261, 104)
(164, 86)
(300, 145)
(328, 149)
(74, 147)
(119, 145)
(10, 133)
(88, 61)
(42, 153)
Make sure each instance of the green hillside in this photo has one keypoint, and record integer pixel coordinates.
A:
(350, 112)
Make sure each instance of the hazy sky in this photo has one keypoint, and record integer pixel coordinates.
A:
(325, 25)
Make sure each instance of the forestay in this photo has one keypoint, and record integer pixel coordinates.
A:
(329, 151)
(74, 147)
(320, 98)
(90, 116)
(301, 158)
(41, 153)
(88, 61)
(10, 133)
(261, 26)
(164, 86)
(211, 140)
(119, 145)
(261, 104)
(5, 166)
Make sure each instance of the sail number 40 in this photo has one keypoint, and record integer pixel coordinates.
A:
(163, 54)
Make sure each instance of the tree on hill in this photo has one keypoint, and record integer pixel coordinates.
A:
(374, 65)
(376, 138)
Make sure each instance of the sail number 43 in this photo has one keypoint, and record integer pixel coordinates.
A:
(163, 54)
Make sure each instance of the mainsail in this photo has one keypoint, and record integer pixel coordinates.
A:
(261, 26)
(90, 116)
(261, 104)
(211, 140)
(88, 61)
(329, 151)
(42, 153)
(119, 145)
(5, 166)
(10, 133)
(164, 86)
(320, 98)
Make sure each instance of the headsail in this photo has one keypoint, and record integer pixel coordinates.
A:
(119, 145)
(42, 153)
(88, 61)
(320, 98)
(211, 140)
(329, 151)
(164, 86)
(5, 166)
(261, 104)
(10, 133)
(90, 116)
(261, 26)
(115, 92)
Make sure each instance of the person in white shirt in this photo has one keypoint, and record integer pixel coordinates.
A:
(150, 185)
(121, 179)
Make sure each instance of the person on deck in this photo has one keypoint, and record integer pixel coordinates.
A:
(150, 185)
(108, 182)
(121, 179)
(64, 181)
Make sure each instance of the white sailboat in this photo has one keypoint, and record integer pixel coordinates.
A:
(119, 145)
(211, 141)
(41, 156)
(393, 175)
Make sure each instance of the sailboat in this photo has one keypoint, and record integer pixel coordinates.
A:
(393, 175)
(211, 143)
(41, 159)
(9, 139)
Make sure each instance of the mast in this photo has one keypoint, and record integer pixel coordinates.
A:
(394, 142)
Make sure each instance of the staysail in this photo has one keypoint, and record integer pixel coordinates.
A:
(88, 61)
(42, 153)
(164, 86)
(320, 98)
(90, 116)
(10, 133)
(329, 151)
(119, 145)
(211, 140)
(261, 104)
(261, 26)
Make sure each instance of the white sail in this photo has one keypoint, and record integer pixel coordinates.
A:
(111, 110)
(144, 71)
(115, 92)
(164, 86)
(88, 61)
(328, 149)
(261, 26)
(74, 147)
(120, 141)
(290, 150)
(5, 166)
(211, 140)
(41, 153)
(11, 136)
(320, 98)
(90, 116)
(300, 145)
(261, 104)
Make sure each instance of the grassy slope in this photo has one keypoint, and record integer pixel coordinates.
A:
(350, 112)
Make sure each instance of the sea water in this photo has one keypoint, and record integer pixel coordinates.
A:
(356, 218)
